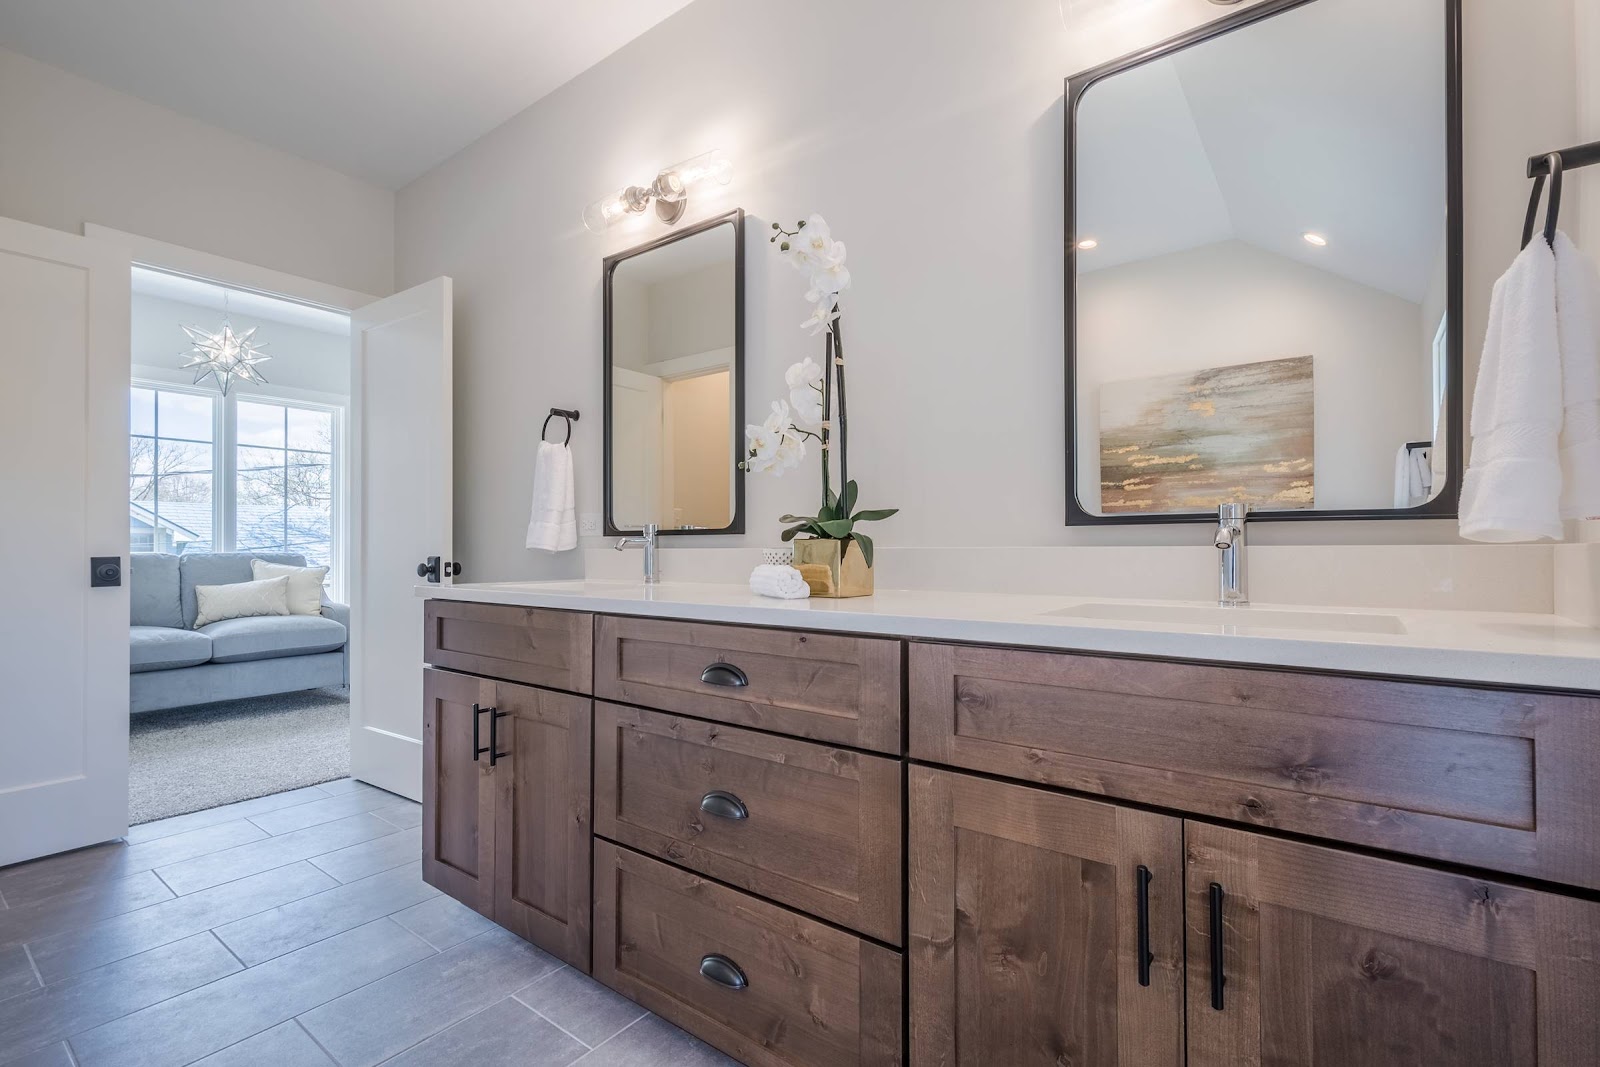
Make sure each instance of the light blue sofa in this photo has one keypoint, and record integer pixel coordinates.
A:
(174, 665)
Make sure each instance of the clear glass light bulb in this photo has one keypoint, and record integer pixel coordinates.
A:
(674, 183)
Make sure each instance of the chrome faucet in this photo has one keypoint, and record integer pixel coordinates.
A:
(647, 541)
(1230, 563)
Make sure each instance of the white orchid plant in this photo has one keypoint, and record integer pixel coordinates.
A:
(780, 442)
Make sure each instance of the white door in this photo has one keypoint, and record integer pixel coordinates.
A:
(63, 498)
(400, 429)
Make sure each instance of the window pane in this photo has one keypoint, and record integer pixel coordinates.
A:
(310, 519)
(184, 415)
(183, 457)
(310, 430)
(259, 496)
(142, 412)
(260, 424)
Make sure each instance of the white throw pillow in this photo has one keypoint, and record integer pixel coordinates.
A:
(305, 584)
(241, 600)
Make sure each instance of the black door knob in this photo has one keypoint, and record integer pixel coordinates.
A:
(429, 570)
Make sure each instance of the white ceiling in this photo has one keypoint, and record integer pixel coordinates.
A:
(380, 89)
(1329, 118)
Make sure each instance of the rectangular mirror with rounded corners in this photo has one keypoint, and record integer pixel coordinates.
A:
(1264, 268)
(674, 381)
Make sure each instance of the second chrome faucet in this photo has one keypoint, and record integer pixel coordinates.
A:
(646, 540)
(1230, 562)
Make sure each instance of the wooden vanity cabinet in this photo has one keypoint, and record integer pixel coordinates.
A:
(506, 806)
(1044, 929)
(1028, 912)
(1330, 958)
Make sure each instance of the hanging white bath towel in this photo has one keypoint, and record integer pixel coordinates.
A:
(1577, 312)
(1512, 489)
(553, 526)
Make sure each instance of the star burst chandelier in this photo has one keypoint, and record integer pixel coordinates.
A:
(223, 355)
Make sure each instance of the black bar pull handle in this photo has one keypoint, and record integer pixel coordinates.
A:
(723, 805)
(477, 732)
(495, 755)
(723, 971)
(1218, 979)
(1143, 878)
(724, 674)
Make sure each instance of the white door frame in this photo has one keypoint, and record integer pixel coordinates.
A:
(206, 266)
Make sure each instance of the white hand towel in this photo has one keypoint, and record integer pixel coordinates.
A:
(553, 525)
(1512, 491)
(778, 581)
(1402, 477)
(1577, 312)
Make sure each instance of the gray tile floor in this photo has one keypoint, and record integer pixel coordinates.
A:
(290, 931)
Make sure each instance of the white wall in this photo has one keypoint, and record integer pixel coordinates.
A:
(1230, 303)
(72, 152)
(931, 139)
(302, 359)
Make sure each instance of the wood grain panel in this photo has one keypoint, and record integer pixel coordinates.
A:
(532, 645)
(823, 830)
(1489, 778)
(1333, 959)
(1024, 927)
(457, 793)
(844, 690)
(816, 996)
(542, 818)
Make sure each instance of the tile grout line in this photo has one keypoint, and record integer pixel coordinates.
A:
(587, 1048)
(32, 965)
(324, 1049)
(450, 1026)
(243, 966)
(579, 1061)
(307, 859)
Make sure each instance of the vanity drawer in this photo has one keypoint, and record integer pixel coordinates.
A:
(1491, 778)
(813, 827)
(845, 690)
(811, 993)
(532, 645)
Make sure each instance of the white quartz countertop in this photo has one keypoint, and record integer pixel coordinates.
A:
(1494, 647)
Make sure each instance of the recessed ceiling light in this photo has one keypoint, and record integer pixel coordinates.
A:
(1315, 239)
(1088, 244)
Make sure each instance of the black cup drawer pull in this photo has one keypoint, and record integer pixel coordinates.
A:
(724, 674)
(723, 805)
(1218, 979)
(723, 971)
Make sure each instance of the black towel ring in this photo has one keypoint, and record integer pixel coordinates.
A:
(570, 415)
(1552, 214)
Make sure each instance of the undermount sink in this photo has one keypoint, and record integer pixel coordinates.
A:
(1246, 617)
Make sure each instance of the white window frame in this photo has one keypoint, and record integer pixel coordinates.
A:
(225, 445)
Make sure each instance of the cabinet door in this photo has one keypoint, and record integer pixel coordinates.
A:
(1027, 920)
(541, 784)
(1332, 959)
(457, 790)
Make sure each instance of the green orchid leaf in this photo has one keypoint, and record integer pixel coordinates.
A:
(874, 516)
(848, 501)
(788, 535)
(837, 528)
(797, 518)
(866, 546)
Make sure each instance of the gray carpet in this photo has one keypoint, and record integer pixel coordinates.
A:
(188, 759)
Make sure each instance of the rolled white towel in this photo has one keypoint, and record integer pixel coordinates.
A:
(779, 582)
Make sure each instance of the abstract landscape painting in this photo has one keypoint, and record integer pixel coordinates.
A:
(1188, 442)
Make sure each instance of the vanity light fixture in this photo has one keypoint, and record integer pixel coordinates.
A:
(1315, 239)
(669, 190)
(1088, 244)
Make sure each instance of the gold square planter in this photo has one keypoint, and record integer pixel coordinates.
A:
(830, 572)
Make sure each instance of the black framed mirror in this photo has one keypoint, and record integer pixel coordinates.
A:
(1264, 269)
(674, 381)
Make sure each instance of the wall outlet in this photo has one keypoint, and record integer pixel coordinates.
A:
(589, 524)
